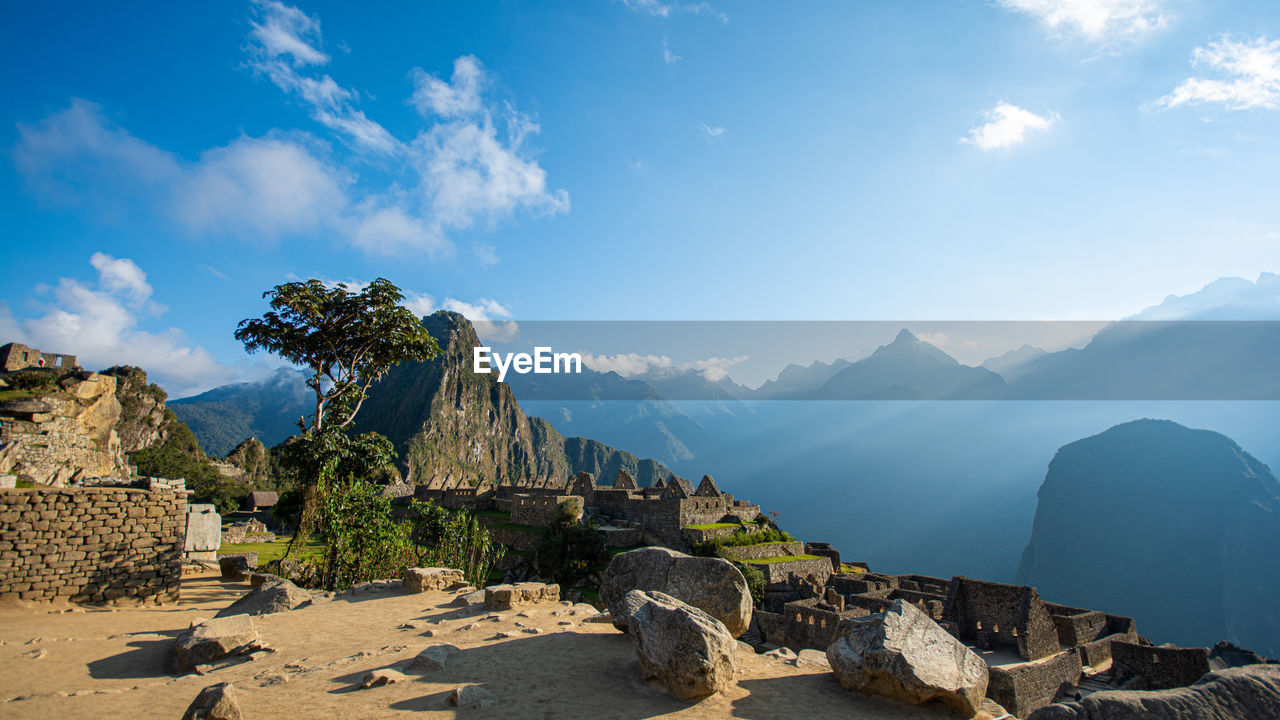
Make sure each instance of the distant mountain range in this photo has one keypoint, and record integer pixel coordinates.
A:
(268, 410)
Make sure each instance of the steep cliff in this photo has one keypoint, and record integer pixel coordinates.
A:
(143, 419)
(453, 426)
(65, 432)
(1176, 527)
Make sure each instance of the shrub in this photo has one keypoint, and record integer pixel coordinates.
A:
(755, 582)
(35, 379)
(570, 549)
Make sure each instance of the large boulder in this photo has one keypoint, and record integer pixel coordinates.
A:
(904, 655)
(270, 597)
(712, 585)
(689, 652)
(1239, 693)
(208, 641)
(216, 702)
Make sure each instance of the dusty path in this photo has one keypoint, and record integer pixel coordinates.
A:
(106, 664)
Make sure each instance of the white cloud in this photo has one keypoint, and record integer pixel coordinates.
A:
(287, 30)
(99, 323)
(712, 131)
(1097, 20)
(1252, 76)
(635, 365)
(1007, 125)
(716, 369)
(627, 364)
(458, 97)
(468, 167)
(491, 318)
(669, 57)
(283, 42)
(662, 9)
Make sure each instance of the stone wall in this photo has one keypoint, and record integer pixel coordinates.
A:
(990, 613)
(763, 550)
(1160, 667)
(782, 572)
(91, 544)
(1026, 687)
(803, 624)
(543, 510)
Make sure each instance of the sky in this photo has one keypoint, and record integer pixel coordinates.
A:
(163, 164)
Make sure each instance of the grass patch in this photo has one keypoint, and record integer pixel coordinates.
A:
(275, 550)
(515, 526)
(19, 394)
(592, 595)
(784, 558)
(848, 569)
(500, 514)
(711, 526)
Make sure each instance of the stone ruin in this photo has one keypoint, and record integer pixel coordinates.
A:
(16, 356)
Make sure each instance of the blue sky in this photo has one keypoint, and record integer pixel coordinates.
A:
(642, 159)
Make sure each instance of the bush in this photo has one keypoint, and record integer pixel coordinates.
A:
(180, 456)
(34, 379)
(569, 550)
(365, 542)
(742, 538)
(755, 582)
(456, 539)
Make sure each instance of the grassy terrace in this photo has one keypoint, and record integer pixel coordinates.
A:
(784, 558)
(499, 514)
(274, 550)
(711, 526)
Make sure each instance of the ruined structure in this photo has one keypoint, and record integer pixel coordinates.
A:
(16, 356)
(93, 544)
(66, 435)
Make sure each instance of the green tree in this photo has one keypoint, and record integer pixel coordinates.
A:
(347, 341)
(570, 549)
(180, 456)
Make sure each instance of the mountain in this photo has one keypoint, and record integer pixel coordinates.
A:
(268, 410)
(796, 381)
(451, 425)
(1177, 527)
(910, 369)
(1013, 364)
(1230, 298)
(1161, 360)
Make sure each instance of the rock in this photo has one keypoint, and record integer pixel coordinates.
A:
(1250, 691)
(216, 702)
(204, 530)
(234, 567)
(712, 585)
(1225, 655)
(507, 597)
(688, 651)
(380, 677)
(270, 597)
(419, 580)
(208, 641)
(813, 657)
(781, 653)
(472, 696)
(469, 599)
(432, 659)
(603, 617)
(259, 579)
(904, 655)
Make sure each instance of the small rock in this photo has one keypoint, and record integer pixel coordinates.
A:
(380, 677)
(270, 597)
(781, 653)
(531, 631)
(234, 567)
(472, 696)
(469, 598)
(565, 623)
(813, 657)
(208, 641)
(464, 628)
(216, 702)
(431, 659)
(428, 633)
(603, 617)
(419, 580)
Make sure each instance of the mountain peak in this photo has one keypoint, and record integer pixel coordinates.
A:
(905, 336)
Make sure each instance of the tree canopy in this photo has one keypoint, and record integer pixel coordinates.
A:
(347, 339)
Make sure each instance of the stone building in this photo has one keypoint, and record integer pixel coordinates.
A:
(16, 356)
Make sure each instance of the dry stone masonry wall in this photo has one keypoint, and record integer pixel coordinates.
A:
(92, 544)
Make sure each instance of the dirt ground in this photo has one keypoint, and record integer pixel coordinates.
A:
(117, 663)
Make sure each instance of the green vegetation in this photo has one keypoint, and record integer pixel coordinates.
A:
(500, 514)
(272, 551)
(516, 527)
(784, 558)
(35, 380)
(711, 526)
(180, 456)
(848, 569)
(755, 582)
(570, 549)
(742, 538)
